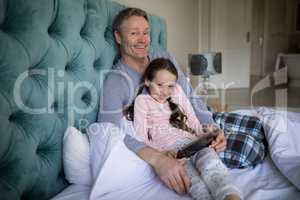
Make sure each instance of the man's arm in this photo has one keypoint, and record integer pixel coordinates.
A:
(169, 170)
(112, 98)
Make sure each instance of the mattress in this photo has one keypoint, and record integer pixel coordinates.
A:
(262, 182)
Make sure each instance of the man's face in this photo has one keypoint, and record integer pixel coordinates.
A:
(134, 38)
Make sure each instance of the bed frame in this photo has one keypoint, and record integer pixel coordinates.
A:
(52, 58)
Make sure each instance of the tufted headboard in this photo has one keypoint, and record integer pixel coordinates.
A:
(52, 57)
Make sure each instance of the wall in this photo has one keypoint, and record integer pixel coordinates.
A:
(188, 31)
(182, 24)
(223, 27)
(294, 37)
(275, 33)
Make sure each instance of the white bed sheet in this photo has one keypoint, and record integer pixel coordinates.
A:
(74, 192)
(263, 182)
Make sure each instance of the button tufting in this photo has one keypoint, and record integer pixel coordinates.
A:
(44, 149)
(14, 117)
(67, 67)
(41, 151)
(50, 31)
(82, 33)
(108, 32)
(108, 36)
(5, 27)
(54, 106)
(11, 118)
(87, 97)
(38, 150)
(97, 64)
(2, 12)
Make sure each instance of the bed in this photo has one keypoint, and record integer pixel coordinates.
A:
(53, 54)
(262, 182)
(277, 177)
(52, 57)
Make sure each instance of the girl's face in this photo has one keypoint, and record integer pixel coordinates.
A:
(162, 86)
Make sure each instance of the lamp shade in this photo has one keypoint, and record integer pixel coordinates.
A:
(205, 64)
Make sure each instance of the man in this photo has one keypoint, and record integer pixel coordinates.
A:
(131, 32)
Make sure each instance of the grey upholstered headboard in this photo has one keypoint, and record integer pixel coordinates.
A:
(52, 53)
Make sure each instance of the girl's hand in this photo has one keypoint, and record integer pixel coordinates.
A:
(210, 129)
(219, 143)
(170, 153)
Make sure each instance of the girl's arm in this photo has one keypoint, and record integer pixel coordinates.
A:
(219, 143)
(169, 170)
(140, 118)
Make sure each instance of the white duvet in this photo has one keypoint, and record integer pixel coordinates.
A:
(125, 176)
(120, 174)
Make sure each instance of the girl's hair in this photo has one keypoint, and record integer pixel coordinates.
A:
(178, 118)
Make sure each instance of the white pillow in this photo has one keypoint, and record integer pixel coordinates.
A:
(282, 130)
(76, 157)
(127, 127)
(78, 150)
(122, 171)
(103, 137)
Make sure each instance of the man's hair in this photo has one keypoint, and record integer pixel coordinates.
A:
(125, 14)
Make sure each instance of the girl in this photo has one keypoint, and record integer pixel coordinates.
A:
(164, 119)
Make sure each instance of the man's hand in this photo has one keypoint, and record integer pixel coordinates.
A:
(170, 170)
(219, 143)
(172, 173)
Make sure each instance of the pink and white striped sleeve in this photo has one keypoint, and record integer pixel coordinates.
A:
(140, 118)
